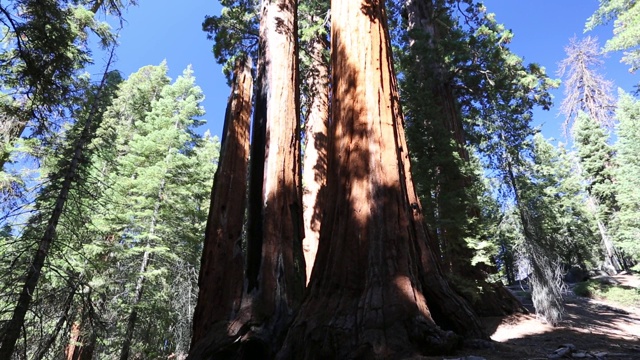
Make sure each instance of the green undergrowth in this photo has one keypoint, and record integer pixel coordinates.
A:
(618, 294)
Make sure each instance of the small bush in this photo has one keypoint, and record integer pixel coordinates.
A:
(621, 295)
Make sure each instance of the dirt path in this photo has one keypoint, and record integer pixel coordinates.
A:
(596, 329)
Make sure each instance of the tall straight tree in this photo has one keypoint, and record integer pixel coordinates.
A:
(439, 118)
(275, 264)
(436, 135)
(376, 288)
(315, 69)
(596, 158)
(71, 169)
(221, 267)
(627, 175)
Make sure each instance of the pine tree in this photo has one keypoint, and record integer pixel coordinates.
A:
(626, 15)
(42, 76)
(70, 171)
(585, 89)
(627, 175)
(596, 159)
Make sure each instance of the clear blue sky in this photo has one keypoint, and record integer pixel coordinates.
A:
(171, 30)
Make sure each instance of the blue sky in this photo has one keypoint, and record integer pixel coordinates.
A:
(168, 29)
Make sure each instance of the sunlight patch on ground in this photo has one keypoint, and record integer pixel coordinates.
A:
(524, 326)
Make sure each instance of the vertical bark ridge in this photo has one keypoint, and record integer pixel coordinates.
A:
(221, 268)
(315, 152)
(275, 268)
(366, 294)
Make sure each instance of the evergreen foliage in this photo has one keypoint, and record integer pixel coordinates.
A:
(626, 28)
(596, 159)
(627, 175)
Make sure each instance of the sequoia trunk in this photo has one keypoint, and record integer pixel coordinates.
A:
(315, 151)
(274, 277)
(367, 293)
(221, 267)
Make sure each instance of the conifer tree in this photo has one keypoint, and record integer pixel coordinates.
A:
(626, 16)
(70, 171)
(40, 77)
(596, 159)
(585, 89)
(627, 175)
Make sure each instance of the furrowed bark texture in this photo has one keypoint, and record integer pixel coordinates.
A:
(315, 152)
(275, 228)
(274, 275)
(367, 292)
(221, 267)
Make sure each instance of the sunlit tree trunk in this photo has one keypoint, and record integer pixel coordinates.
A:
(315, 151)
(367, 295)
(274, 277)
(221, 267)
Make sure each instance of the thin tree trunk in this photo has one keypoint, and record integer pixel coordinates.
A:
(314, 167)
(611, 256)
(133, 315)
(44, 348)
(546, 293)
(366, 296)
(221, 267)
(146, 258)
(13, 327)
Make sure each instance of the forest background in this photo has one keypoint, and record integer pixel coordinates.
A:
(106, 193)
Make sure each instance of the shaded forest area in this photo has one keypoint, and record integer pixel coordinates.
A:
(379, 190)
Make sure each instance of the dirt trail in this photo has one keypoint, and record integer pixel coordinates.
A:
(597, 329)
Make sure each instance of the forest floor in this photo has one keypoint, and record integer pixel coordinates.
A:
(597, 329)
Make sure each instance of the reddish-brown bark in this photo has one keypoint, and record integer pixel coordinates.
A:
(274, 277)
(80, 346)
(275, 265)
(375, 281)
(315, 151)
(221, 268)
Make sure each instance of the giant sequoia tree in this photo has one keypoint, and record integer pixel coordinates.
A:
(274, 274)
(376, 289)
(222, 262)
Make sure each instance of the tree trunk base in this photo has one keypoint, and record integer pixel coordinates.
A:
(376, 324)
